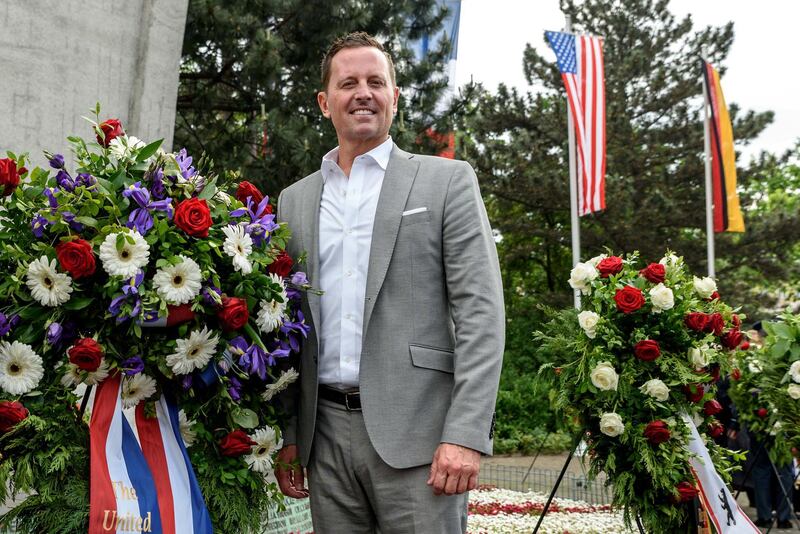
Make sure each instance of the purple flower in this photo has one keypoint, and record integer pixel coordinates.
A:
(141, 217)
(299, 278)
(86, 180)
(157, 187)
(133, 365)
(54, 333)
(185, 163)
(51, 198)
(212, 295)
(69, 218)
(65, 181)
(57, 161)
(260, 227)
(130, 295)
(186, 382)
(7, 322)
(131, 285)
(235, 389)
(38, 224)
(255, 361)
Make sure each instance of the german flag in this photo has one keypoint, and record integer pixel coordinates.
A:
(727, 214)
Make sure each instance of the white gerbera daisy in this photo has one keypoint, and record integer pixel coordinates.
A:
(238, 245)
(20, 368)
(267, 442)
(187, 433)
(128, 260)
(74, 375)
(178, 284)
(136, 389)
(270, 316)
(283, 381)
(124, 146)
(194, 352)
(48, 286)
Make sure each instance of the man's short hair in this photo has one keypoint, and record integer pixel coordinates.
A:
(352, 40)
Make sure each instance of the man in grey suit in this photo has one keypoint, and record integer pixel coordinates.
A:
(398, 380)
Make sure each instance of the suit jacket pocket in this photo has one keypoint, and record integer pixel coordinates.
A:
(415, 218)
(432, 358)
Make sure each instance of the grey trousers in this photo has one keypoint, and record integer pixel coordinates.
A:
(353, 491)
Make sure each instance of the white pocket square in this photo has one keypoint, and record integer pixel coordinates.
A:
(415, 210)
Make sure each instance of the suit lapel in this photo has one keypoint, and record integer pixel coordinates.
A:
(311, 204)
(400, 173)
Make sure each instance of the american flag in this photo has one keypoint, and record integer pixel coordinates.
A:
(580, 60)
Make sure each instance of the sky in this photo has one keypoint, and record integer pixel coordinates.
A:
(761, 72)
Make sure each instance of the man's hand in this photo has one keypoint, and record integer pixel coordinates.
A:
(289, 473)
(454, 469)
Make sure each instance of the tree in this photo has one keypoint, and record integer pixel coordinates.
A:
(250, 74)
(655, 180)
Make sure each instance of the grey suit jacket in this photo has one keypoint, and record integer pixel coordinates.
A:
(434, 324)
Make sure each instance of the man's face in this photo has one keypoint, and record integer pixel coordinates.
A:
(360, 98)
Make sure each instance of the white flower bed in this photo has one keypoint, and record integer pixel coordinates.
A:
(500, 511)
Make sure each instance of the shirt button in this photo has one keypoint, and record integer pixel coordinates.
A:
(348, 316)
(348, 273)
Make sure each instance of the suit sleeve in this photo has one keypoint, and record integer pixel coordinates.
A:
(288, 398)
(475, 292)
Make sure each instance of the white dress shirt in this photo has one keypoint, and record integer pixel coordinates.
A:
(346, 218)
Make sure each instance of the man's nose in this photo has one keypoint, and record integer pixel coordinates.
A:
(363, 92)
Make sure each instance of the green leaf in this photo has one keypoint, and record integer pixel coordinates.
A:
(149, 150)
(208, 192)
(246, 418)
(77, 303)
(120, 241)
(88, 221)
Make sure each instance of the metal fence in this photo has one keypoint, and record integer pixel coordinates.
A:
(573, 486)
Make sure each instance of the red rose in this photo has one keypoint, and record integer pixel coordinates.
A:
(236, 443)
(736, 374)
(233, 314)
(647, 350)
(246, 189)
(11, 413)
(111, 129)
(762, 413)
(737, 322)
(694, 392)
(9, 176)
(76, 257)
(714, 372)
(193, 217)
(86, 353)
(282, 265)
(609, 266)
(715, 429)
(656, 432)
(732, 339)
(712, 407)
(697, 321)
(714, 296)
(655, 272)
(629, 299)
(745, 345)
(686, 491)
(716, 324)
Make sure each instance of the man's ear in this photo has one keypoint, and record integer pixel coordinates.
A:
(322, 100)
(396, 99)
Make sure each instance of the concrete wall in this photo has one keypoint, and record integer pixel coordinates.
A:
(59, 57)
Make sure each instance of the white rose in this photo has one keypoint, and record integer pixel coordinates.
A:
(670, 260)
(597, 259)
(705, 286)
(794, 370)
(611, 424)
(699, 356)
(588, 321)
(656, 389)
(755, 366)
(662, 298)
(794, 391)
(581, 276)
(604, 377)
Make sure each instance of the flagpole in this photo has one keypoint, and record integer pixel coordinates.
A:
(573, 190)
(709, 189)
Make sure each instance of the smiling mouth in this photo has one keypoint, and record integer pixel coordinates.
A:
(362, 112)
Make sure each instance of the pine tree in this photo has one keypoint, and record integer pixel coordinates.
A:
(655, 179)
(242, 57)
